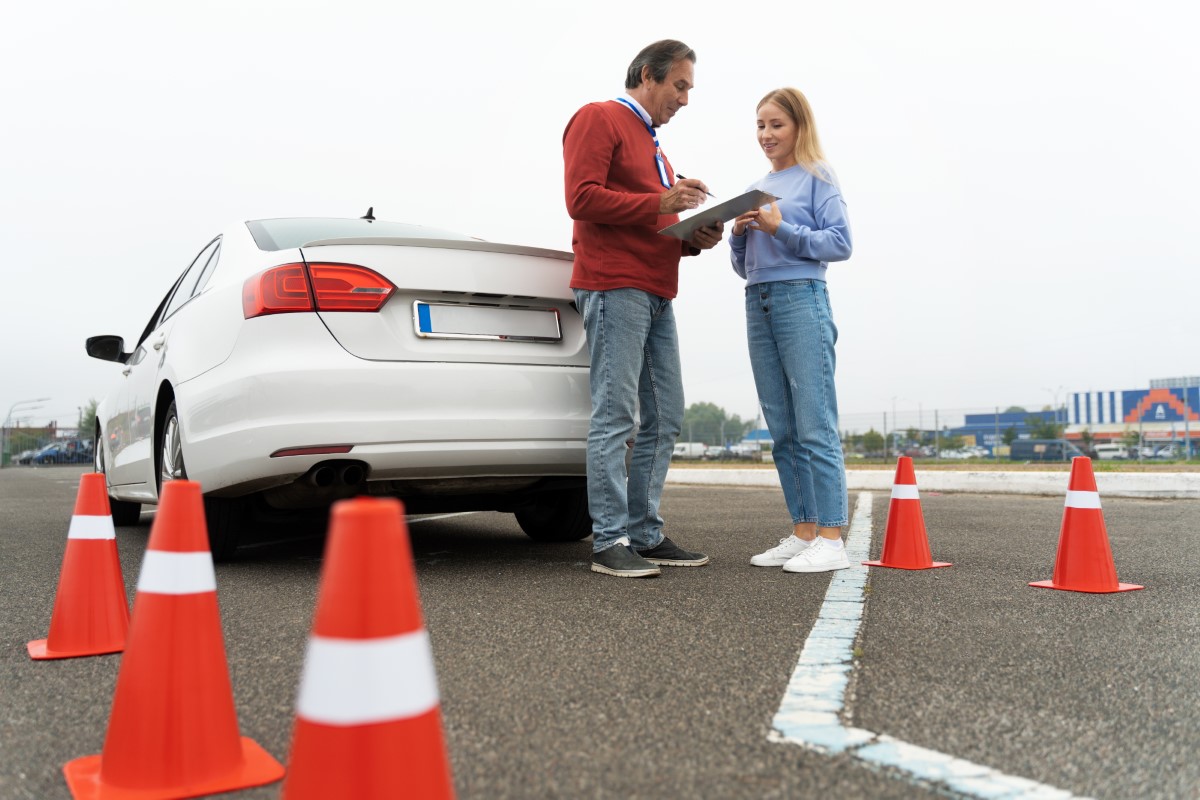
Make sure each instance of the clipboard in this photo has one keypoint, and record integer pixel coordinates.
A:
(723, 212)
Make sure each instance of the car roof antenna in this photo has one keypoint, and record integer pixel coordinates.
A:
(370, 215)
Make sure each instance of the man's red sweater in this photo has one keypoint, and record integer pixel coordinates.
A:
(613, 189)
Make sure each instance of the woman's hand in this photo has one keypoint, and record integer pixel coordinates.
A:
(769, 217)
(741, 223)
(765, 219)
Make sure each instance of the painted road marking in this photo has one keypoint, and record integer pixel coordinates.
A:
(412, 521)
(810, 713)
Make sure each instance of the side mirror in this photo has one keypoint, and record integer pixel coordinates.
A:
(107, 348)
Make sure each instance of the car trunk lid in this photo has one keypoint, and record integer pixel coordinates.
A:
(459, 301)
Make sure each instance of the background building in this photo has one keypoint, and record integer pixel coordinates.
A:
(989, 430)
(1169, 411)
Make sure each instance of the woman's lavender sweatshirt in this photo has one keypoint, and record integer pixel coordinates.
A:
(814, 231)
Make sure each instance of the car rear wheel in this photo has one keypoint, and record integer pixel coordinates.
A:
(123, 513)
(557, 517)
(224, 516)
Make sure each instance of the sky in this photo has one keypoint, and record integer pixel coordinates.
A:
(1020, 177)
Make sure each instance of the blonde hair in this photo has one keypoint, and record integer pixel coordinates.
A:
(808, 145)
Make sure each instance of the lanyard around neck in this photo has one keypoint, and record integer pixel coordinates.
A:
(663, 177)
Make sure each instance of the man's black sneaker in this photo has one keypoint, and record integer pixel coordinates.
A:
(669, 554)
(621, 561)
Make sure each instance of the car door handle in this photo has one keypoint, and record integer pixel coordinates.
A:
(159, 344)
(126, 371)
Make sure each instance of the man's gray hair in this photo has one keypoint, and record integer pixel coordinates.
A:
(659, 57)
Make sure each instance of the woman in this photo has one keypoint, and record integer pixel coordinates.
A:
(783, 250)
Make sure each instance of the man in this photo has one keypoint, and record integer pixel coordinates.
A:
(621, 190)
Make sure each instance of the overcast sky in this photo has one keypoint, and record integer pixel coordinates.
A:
(1021, 177)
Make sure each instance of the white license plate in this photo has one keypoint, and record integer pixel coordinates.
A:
(504, 323)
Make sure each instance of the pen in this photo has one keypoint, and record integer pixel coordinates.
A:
(682, 178)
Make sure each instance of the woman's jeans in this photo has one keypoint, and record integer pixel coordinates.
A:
(791, 334)
(634, 350)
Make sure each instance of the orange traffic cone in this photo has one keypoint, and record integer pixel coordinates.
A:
(91, 612)
(173, 730)
(905, 544)
(1084, 562)
(368, 723)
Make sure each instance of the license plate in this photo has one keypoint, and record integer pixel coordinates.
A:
(502, 323)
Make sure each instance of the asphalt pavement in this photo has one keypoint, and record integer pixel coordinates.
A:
(557, 682)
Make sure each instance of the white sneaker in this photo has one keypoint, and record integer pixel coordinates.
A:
(818, 557)
(788, 548)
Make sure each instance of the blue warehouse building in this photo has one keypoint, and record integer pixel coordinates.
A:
(987, 430)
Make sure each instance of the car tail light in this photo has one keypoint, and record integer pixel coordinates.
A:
(345, 287)
(278, 290)
(291, 287)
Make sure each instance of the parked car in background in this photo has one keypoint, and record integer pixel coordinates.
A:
(689, 450)
(1043, 450)
(55, 453)
(25, 456)
(1111, 452)
(735, 452)
(296, 362)
(67, 451)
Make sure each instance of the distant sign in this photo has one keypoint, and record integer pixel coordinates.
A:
(1161, 405)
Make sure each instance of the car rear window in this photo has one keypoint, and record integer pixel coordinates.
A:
(286, 234)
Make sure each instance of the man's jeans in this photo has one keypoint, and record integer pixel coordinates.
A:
(791, 335)
(635, 371)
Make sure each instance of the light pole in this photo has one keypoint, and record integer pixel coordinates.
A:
(1054, 394)
(24, 405)
(895, 427)
(1141, 440)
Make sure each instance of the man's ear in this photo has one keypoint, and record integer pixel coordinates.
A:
(646, 74)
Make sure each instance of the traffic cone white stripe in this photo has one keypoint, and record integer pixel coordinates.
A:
(365, 681)
(905, 491)
(1083, 499)
(84, 527)
(165, 572)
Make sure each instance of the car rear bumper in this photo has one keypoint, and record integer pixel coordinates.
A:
(404, 420)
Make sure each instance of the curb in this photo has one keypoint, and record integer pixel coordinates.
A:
(1158, 486)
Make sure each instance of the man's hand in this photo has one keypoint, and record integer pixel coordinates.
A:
(707, 238)
(685, 195)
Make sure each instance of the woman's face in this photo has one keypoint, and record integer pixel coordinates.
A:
(777, 136)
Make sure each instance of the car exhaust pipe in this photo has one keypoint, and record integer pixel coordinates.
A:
(323, 483)
(351, 474)
(322, 477)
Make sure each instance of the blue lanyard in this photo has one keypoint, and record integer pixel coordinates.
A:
(663, 178)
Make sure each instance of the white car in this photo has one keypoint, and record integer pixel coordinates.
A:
(1111, 452)
(299, 361)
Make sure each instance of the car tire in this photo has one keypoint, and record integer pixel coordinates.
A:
(224, 516)
(123, 512)
(557, 517)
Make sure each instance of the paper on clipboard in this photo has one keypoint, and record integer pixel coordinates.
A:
(729, 209)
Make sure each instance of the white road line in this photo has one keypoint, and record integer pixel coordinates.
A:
(814, 702)
(412, 521)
